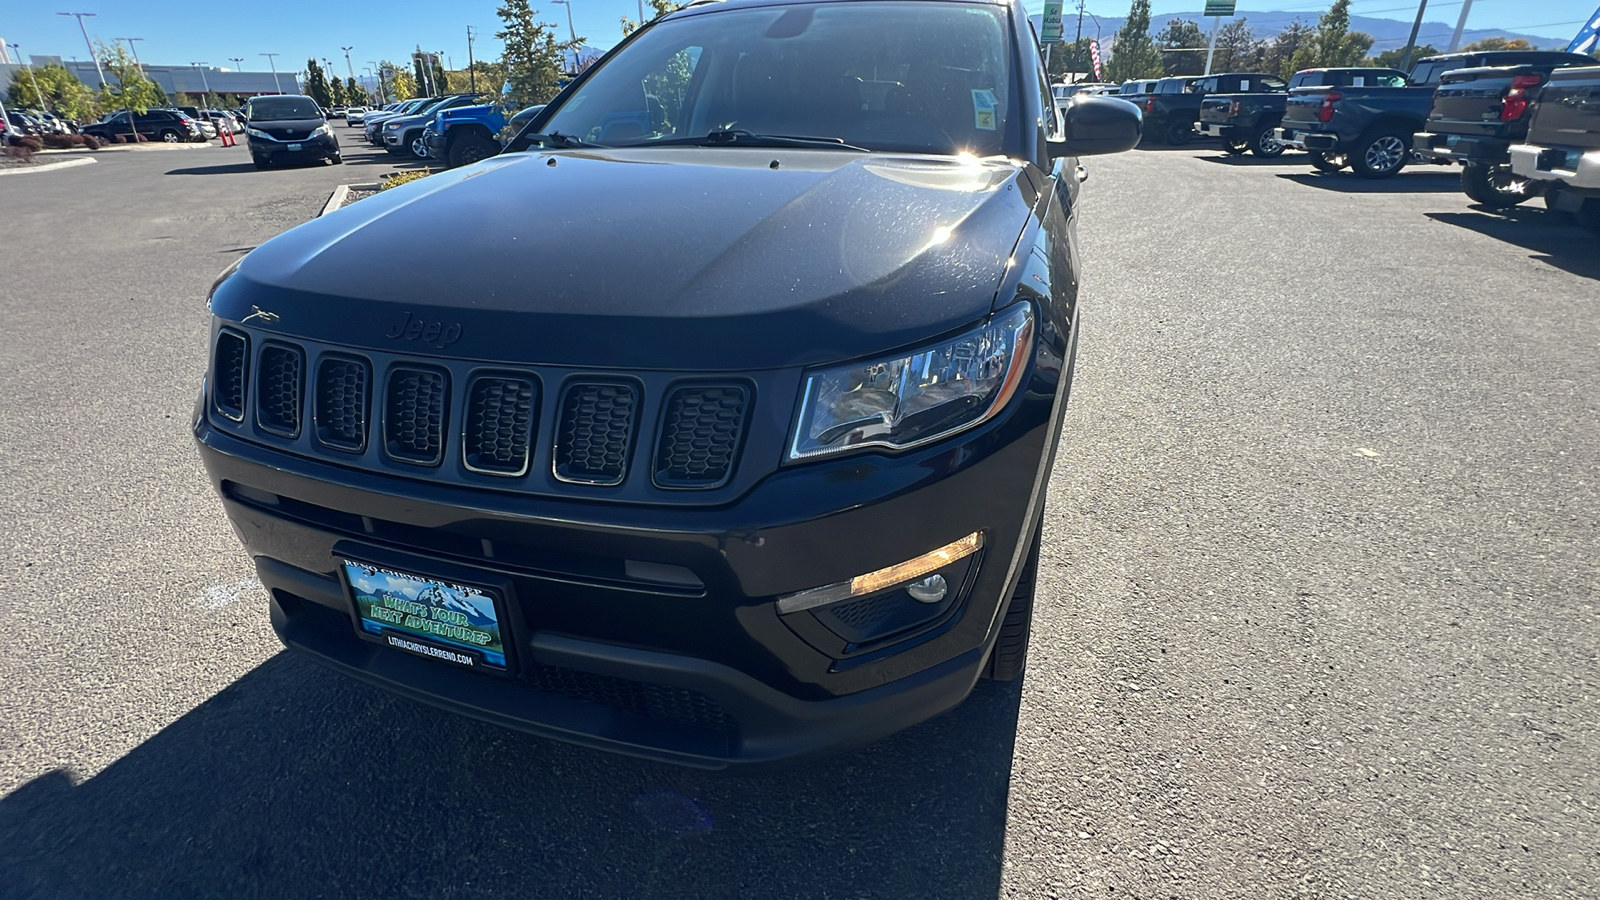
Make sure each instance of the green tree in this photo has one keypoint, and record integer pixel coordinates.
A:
(1236, 46)
(1133, 54)
(661, 7)
(1391, 59)
(483, 77)
(52, 88)
(1333, 43)
(533, 56)
(439, 77)
(1183, 48)
(402, 86)
(1069, 60)
(354, 93)
(1277, 55)
(336, 92)
(317, 84)
(128, 88)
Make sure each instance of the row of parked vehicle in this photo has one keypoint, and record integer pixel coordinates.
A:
(457, 129)
(1520, 123)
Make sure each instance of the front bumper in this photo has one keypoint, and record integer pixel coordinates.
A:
(1300, 139)
(310, 149)
(590, 632)
(1575, 167)
(1463, 148)
(434, 141)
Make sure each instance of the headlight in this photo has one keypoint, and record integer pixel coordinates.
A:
(320, 130)
(906, 401)
(391, 126)
(253, 132)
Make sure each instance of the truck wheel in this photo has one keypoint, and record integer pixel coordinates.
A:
(170, 136)
(1235, 148)
(469, 148)
(1009, 658)
(1381, 155)
(419, 150)
(1323, 161)
(1494, 186)
(1178, 132)
(1265, 145)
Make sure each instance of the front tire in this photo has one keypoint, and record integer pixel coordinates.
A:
(419, 150)
(1265, 145)
(1009, 658)
(1381, 155)
(259, 162)
(170, 136)
(1235, 148)
(1495, 186)
(1178, 132)
(1323, 161)
(470, 148)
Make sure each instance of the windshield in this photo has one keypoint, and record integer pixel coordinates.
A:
(280, 109)
(897, 76)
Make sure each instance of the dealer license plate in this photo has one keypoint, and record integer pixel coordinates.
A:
(293, 148)
(442, 620)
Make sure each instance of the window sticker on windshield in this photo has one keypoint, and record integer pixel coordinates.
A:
(983, 107)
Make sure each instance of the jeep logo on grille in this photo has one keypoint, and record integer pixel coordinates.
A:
(437, 334)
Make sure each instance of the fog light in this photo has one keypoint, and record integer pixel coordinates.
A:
(911, 570)
(929, 590)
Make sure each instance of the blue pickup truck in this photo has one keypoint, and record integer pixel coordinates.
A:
(467, 134)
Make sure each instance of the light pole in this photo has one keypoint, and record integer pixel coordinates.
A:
(368, 70)
(88, 43)
(204, 80)
(134, 50)
(273, 62)
(32, 77)
(383, 95)
(571, 32)
(472, 75)
(349, 67)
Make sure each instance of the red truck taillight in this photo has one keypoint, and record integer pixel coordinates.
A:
(1325, 111)
(1149, 104)
(1233, 108)
(1516, 102)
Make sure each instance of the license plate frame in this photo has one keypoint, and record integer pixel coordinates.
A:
(440, 616)
(295, 148)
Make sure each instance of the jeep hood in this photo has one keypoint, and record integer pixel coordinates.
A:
(668, 258)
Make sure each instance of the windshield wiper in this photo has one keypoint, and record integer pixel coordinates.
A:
(742, 138)
(559, 141)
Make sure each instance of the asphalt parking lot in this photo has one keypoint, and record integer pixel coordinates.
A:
(1318, 590)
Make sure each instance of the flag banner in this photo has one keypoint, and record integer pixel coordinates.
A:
(1588, 36)
(1094, 57)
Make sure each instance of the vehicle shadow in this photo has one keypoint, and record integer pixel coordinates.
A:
(1248, 161)
(1551, 237)
(1400, 183)
(294, 782)
(224, 169)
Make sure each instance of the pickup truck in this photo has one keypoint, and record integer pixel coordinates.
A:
(1171, 109)
(1562, 150)
(1370, 129)
(1477, 115)
(1248, 121)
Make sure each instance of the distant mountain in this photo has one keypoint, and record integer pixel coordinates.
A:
(1388, 34)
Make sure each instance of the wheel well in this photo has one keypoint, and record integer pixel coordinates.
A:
(457, 132)
(1403, 127)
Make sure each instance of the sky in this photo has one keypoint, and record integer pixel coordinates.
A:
(180, 32)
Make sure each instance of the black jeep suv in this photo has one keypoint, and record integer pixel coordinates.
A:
(724, 436)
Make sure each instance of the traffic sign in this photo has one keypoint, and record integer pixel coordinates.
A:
(1220, 7)
(1050, 33)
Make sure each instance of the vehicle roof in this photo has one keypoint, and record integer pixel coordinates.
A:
(1498, 54)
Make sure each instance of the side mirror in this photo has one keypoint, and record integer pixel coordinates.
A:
(1098, 125)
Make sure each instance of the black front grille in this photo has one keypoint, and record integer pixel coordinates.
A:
(700, 436)
(651, 701)
(413, 415)
(230, 374)
(280, 388)
(341, 413)
(499, 427)
(596, 428)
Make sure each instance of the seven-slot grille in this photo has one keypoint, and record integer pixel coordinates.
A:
(595, 431)
(230, 374)
(700, 436)
(279, 389)
(341, 413)
(499, 428)
(413, 415)
(596, 423)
